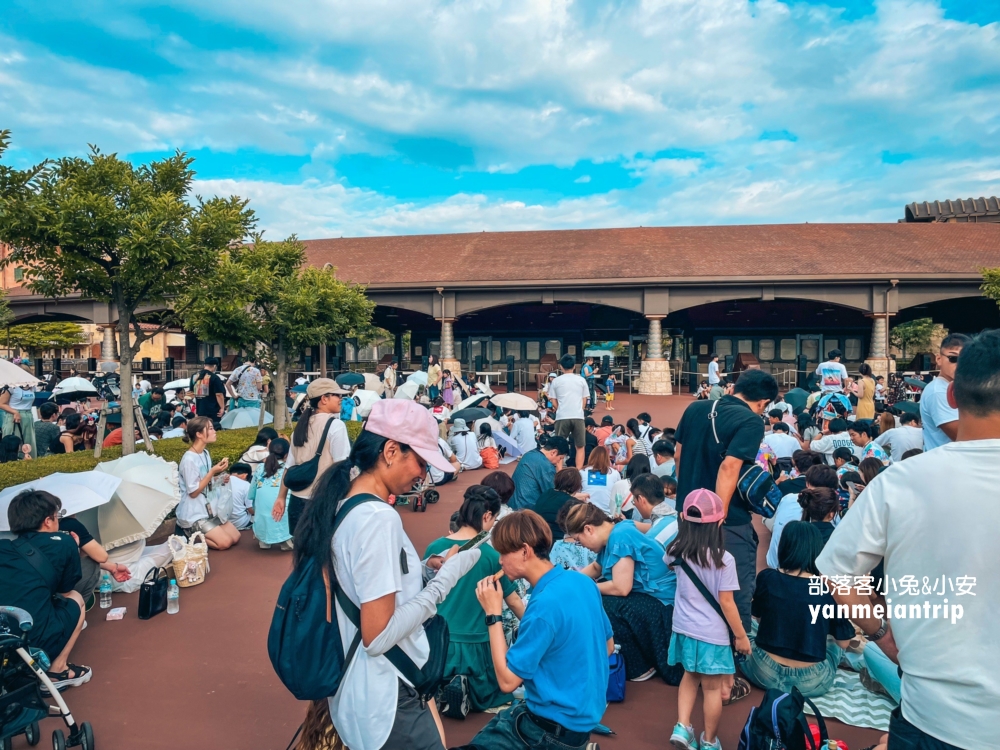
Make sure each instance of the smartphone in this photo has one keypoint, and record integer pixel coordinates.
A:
(478, 539)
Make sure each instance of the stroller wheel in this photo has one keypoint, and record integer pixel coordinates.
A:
(86, 736)
(58, 740)
(33, 734)
(432, 496)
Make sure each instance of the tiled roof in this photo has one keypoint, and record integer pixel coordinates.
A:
(782, 251)
(968, 210)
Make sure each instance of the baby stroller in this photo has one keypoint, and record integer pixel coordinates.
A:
(422, 495)
(22, 675)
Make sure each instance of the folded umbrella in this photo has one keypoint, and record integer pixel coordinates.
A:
(148, 492)
(515, 401)
(78, 492)
(246, 416)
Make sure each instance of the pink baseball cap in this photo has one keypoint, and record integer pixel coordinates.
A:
(709, 506)
(408, 422)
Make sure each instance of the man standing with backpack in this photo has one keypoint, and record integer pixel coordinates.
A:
(209, 391)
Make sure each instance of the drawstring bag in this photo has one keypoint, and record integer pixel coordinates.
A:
(190, 559)
(491, 458)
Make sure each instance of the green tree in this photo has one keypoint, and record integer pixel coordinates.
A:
(912, 336)
(43, 336)
(991, 283)
(263, 295)
(6, 314)
(132, 236)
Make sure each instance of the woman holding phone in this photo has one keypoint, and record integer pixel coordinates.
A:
(469, 665)
(198, 479)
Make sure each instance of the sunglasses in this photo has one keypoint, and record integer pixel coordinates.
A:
(953, 358)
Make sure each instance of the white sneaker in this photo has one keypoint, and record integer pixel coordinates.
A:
(644, 676)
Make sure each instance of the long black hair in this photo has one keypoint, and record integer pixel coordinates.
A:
(263, 436)
(277, 452)
(699, 543)
(478, 499)
(314, 532)
(301, 434)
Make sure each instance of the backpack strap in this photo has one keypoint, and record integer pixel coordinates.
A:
(319, 451)
(702, 589)
(711, 418)
(823, 736)
(37, 560)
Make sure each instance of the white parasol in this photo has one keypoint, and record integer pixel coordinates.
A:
(366, 399)
(75, 389)
(78, 492)
(472, 401)
(245, 416)
(407, 390)
(147, 493)
(515, 401)
(373, 384)
(11, 374)
(503, 439)
(173, 385)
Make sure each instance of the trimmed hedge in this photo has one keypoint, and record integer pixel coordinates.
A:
(229, 443)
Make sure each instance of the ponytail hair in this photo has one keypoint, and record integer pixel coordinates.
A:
(301, 433)
(818, 502)
(277, 452)
(194, 426)
(478, 500)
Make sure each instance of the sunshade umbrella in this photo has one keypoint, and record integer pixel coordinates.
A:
(74, 389)
(407, 390)
(366, 399)
(419, 377)
(11, 374)
(515, 401)
(300, 388)
(471, 414)
(478, 399)
(147, 493)
(373, 384)
(247, 416)
(911, 407)
(503, 439)
(173, 385)
(347, 379)
(796, 398)
(916, 383)
(42, 396)
(78, 492)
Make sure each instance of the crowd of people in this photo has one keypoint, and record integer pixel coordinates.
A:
(610, 537)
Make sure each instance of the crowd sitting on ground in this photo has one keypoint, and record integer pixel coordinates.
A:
(608, 538)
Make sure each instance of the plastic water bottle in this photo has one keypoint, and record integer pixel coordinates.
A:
(173, 598)
(105, 590)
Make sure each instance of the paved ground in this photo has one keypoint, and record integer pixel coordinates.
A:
(201, 679)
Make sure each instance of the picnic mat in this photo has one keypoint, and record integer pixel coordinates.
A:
(850, 702)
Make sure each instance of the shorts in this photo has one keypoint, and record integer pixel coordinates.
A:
(205, 525)
(609, 396)
(574, 428)
(62, 624)
(699, 657)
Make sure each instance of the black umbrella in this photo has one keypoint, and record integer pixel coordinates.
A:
(472, 414)
(797, 397)
(347, 379)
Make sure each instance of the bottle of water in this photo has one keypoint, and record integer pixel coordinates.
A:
(173, 598)
(105, 590)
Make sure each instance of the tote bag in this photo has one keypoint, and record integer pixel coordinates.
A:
(190, 559)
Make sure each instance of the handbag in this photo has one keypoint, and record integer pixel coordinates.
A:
(755, 486)
(616, 677)
(153, 593)
(190, 559)
(301, 476)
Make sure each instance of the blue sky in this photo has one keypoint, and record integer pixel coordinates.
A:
(387, 117)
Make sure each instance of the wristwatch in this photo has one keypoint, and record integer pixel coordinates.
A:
(493, 620)
(880, 632)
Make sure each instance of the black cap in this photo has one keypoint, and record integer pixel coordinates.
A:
(607, 419)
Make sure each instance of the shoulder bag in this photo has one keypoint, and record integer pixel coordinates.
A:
(703, 589)
(755, 486)
(301, 476)
(153, 593)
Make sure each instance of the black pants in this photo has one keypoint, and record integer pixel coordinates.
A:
(642, 626)
(448, 477)
(296, 507)
(741, 543)
(904, 736)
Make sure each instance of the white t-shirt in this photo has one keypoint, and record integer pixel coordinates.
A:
(934, 412)
(829, 443)
(436, 474)
(713, 372)
(337, 443)
(901, 439)
(466, 448)
(666, 469)
(240, 517)
(933, 516)
(832, 376)
(599, 487)
(366, 550)
(190, 471)
(570, 391)
(621, 489)
(522, 432)
(783, 444)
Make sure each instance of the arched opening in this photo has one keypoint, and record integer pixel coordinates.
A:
(962, 315)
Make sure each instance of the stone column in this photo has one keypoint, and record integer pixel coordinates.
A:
(878, 356)
(109, 350)
(654, 374)
(448, 361)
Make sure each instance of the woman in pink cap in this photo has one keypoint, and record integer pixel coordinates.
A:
(375, 564)
(706, 580)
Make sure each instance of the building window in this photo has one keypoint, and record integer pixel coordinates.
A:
(703, 349)
(458, 350)
(788, 349)
(514, 350)
(350, 352)
(829, 345)
(475, 349)
(553, 347)
(852, 349)
(533, 350)
(434, 348)
(810, 348)
(744, 346)
(496, 352)
(765, 350)
(18, 274)
(723, 347)
(418, 351)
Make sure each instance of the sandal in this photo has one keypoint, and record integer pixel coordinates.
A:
(62, 680)
(741, 689)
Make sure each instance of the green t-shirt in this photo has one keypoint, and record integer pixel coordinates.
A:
(465, 617)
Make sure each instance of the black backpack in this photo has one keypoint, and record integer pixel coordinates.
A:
(780, 724)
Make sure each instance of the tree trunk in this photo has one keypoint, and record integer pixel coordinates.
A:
(128, 409)
(280, 386)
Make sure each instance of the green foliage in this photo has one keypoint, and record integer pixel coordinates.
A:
(6, 314)
(912, 336)
(33, 336)
(353, 430)
(991, 283)
(131, 236)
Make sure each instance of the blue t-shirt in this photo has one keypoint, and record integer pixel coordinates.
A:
(609, 384)
(651, 575)
(561, 651)
(664, 531)
(533, 477)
